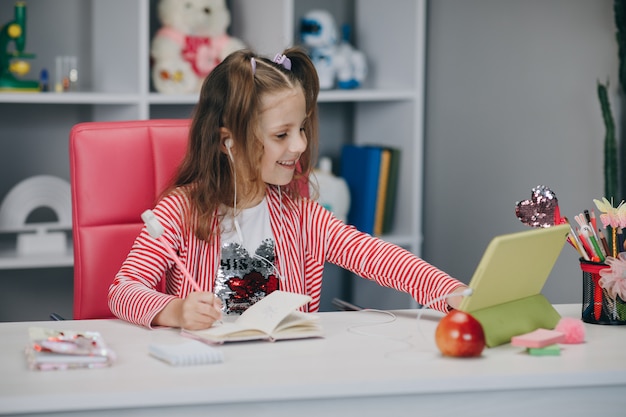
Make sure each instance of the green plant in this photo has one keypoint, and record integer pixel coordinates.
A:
(614, 162)
(619, 11)
(610, 145)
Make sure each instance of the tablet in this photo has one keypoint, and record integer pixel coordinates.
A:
(515, 266)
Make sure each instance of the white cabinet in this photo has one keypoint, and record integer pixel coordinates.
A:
(111, 39)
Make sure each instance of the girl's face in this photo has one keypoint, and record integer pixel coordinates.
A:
(283, 115)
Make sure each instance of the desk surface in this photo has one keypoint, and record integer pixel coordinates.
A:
(365, 360)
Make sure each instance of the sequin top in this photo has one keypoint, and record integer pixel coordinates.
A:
(246, 272)
(306, 235)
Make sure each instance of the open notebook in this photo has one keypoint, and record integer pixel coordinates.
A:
(507, 283)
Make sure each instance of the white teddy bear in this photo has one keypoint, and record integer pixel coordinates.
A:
(190, 43)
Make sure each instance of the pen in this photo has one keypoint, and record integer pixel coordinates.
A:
(578, 245)
(573, 243)
(180, 265)
(605, 243)
(156, 231)
(594, 221)
(585, 221)
(597, 238)
(586, 246)
(594, 243)
(597, 297)
(614, 250)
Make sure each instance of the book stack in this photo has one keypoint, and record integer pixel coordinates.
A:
(371, 173)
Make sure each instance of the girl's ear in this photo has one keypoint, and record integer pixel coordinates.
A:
(226, 138)
(227, 142)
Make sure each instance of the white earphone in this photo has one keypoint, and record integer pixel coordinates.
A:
(465, 293)
(229, 144)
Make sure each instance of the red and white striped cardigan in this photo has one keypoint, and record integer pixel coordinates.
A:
(306, 234)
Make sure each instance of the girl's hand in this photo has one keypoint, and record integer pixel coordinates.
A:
(196, 312)
(455, 300)
(200, 310)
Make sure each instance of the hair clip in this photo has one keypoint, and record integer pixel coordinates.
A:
(281, 59)
(253, 65)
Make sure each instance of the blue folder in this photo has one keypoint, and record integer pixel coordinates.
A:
(360, 168)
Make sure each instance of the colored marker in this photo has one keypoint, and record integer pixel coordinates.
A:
(594, 243)
(605, 243)
(578, 245)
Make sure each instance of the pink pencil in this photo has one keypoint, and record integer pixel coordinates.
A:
(156, 231)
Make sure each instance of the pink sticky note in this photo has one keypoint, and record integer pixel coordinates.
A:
(538, 338)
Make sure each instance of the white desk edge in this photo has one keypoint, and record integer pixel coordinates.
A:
(357, 363)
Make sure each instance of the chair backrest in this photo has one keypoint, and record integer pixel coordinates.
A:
(117, 171)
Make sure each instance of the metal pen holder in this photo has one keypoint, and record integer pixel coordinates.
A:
(598, 306)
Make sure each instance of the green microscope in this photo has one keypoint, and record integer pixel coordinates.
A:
(11, 62)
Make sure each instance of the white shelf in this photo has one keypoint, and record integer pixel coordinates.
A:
(70, 98)
(326, 96)
(364, 95)
(158, 98)
(114, 60)
(10, 259)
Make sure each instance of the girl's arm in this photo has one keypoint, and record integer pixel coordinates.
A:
(136, 292)
(386, 263)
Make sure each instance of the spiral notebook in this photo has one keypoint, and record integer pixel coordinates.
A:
(191, 352)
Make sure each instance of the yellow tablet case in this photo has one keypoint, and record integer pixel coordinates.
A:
(507, 283)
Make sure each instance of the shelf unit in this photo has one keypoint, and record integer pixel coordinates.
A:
(111, 39)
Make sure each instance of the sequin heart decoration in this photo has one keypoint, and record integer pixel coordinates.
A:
(252, 284)
(542, 210)
(242, 280)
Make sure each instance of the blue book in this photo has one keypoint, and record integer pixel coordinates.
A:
(360, 168)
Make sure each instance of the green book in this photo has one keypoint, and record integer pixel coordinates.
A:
(392, 190)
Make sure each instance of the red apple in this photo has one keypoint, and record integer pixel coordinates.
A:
(459, 334)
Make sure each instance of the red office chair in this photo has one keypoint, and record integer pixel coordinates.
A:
(117, 170)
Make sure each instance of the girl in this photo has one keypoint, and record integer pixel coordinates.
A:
(235, 215)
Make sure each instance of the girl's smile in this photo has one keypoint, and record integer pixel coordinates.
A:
(282, 120)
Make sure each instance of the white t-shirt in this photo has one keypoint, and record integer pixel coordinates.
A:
(246, 273)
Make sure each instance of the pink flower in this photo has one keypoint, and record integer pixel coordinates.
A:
(572, 328)
(611, 215)
(613, 279)
(621, 213)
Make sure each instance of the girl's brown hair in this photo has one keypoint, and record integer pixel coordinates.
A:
(231, 98)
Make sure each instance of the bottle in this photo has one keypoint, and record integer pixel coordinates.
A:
(44, 80)
(333, 191)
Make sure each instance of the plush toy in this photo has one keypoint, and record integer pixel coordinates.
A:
(337, 62)
(190, 43)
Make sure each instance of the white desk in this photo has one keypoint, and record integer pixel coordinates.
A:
(343, 374)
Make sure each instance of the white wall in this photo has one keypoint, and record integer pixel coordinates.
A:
(511, 104)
